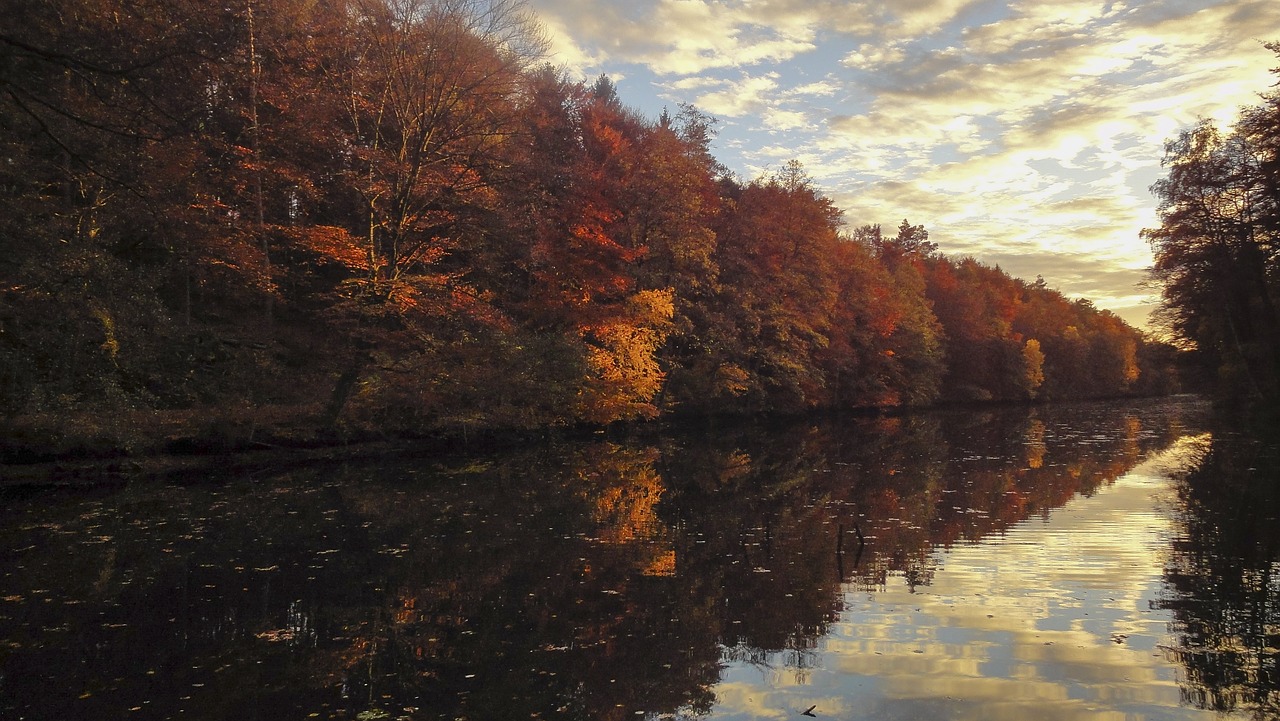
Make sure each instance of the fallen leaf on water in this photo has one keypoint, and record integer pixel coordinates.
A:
(276, 634)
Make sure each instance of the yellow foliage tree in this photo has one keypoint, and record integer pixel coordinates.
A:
(1034, 364)
(622, 359)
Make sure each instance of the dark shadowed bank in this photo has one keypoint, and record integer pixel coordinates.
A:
(179, 446)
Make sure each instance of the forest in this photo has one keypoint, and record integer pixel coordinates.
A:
(395, 217)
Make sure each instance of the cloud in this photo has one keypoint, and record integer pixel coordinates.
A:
(777, 119)
(819, 89)
(731, 99)
(680, 37)
(697, 36)
(686, 37)
(902, 18)
(870, 56)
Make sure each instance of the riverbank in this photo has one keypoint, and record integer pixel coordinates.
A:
(89, 449)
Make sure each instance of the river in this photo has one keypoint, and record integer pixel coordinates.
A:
(1090, 561)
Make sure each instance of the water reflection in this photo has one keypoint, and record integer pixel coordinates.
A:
(888, 568)
(1049, 618)
(1224, 577)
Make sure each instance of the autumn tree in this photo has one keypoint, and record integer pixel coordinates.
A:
(669, 205)
(886, 345)
(574, 255)
(1033, 363)
(776, 254)
(893, 319)
(428, 106)
(976, 308)
(427, 95)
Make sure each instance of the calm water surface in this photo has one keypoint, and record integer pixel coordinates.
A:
(1085, 562)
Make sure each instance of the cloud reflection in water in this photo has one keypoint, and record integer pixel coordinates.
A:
(1053, 619)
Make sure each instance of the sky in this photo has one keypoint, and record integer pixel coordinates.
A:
(1024, 134)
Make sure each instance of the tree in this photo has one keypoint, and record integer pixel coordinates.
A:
(429, 90)
(975, 314)
(668, 201)
(579, 237)
(1033, 359)
(778, 243)
(886, 344)
(913, 240)
(1214, 255)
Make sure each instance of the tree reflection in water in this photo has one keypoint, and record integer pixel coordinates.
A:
(1223, 579)
(603, 580)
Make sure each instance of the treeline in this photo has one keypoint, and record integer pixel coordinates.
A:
(1217, 248)
(393, 211)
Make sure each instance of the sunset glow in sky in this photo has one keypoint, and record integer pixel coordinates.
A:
(1025, 134)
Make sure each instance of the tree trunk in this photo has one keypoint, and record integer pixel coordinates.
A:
(342, 390)
(254, 148)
